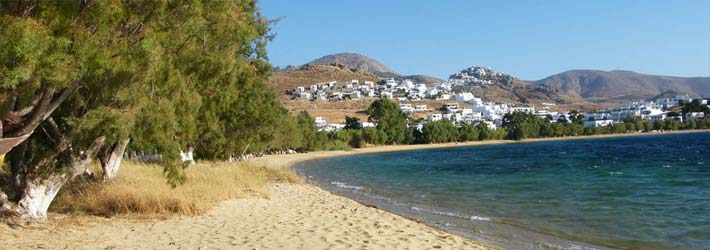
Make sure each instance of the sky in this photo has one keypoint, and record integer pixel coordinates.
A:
(527, 39)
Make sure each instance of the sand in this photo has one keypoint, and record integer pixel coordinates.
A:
(294, 217)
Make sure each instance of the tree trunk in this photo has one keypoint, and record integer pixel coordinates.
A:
(111, 161)
(4, 202)
(39, 191)
(37, 196)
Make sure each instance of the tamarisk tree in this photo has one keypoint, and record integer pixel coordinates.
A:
(80, 79)
(60, 65)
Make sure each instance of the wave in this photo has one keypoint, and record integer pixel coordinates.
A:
(345, 185)
(451, 214)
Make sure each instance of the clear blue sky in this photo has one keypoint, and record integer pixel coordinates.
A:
(528, 39)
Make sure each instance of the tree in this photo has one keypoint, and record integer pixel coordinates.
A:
(374, 136)
(521, 125)
(440, 131)
(562, 119)
(468, 132)
(86, 76)
(647, 126)
(389, 119)
(65, 68)
(576, 116)
(693, 106)
(484, 133)
(309, 132)
(352, 123)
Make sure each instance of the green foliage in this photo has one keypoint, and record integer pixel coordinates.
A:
(440, 131)
(167, 74)
(694, 106)
(389, 119)
(484, 133)
(374, 136)
(312, 140)
(576, 116)
(522, 125)
(468, 132)
(618, 128)
(352, 123)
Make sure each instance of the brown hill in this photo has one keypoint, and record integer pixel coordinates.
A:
(500, 87)
(425, 79)
(308, 74)
(366, 64)
(617, 87)
(357, 61)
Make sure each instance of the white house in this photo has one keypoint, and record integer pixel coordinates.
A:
(598, 123)
(368, 124)
(463, 97)
(305, 96)
(320, 121)
(674, 101)
(523, 109)
(390, 82)
(692, 116)
(476, 101)
(452, 107)
(354, 95)
(434, 117)
(406, 107)
(420, 108)
(333, 127)
(444, 97)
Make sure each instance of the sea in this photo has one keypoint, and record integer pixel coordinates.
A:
(638, 192)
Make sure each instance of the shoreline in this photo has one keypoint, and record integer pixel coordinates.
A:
(294, 216)
(292, 161)
(296, 158)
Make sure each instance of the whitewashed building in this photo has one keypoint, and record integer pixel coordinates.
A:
(320, 121)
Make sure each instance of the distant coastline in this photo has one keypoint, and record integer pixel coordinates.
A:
(394, 148)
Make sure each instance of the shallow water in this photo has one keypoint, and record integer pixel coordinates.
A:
(644, 192)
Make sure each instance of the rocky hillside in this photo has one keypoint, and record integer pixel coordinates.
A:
(357, 61)
(308, 74)
(428, 80)
(366, 64)
(615, 87)
(500, 87)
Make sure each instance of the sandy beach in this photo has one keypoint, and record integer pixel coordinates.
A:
(293, 217)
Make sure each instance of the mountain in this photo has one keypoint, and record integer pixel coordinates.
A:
(616, 87)
(428, 80)
(364, 63)
(500, 87)
(357, 61)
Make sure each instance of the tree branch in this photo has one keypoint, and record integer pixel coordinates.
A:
(47, 104)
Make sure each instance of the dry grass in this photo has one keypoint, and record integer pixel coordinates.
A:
(335, 112)
(141, 191)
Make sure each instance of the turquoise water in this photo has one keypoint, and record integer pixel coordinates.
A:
(644, 192)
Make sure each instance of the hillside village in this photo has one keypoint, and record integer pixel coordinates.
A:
(408, 94)
(404, 90)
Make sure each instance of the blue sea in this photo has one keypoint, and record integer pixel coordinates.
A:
(641, 192)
